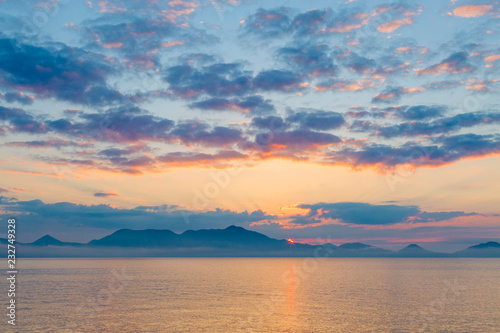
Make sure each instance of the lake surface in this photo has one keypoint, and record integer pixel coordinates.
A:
(258, 295)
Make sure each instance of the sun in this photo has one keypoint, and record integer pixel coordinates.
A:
(291, 241)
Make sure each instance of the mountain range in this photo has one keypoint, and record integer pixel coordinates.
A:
(232, 241)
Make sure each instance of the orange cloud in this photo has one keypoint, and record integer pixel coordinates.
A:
(107, 7)
(394, 24)
(454, 64)
(492, 58)
(472, 10)
(344, 28)
(479, 85)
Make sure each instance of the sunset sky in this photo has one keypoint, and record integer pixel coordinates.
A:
(339, 121)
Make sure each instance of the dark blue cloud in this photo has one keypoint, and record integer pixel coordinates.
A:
(316, 23)
(421, 112)
(405, 112)
(44, 217)
(446, 150)
(272, 123)
(311, 22)
(268, 23)
(291, 142)
(105, 194)
(455, 64)
(193, 132)
(121, 124)
(216, 80)
(65, 73)
(117, 152)
(296, 135)
(309, 59)
(317, 120)
(277, 80)
(196, 78)
(358, 213)
(21, 121)
(18, 97)
(359, 64)
(250, 105)
(435, 127)
(52, 143)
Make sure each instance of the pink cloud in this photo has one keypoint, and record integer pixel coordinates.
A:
(472, 10)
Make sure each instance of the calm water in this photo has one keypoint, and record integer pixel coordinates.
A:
(258, 295)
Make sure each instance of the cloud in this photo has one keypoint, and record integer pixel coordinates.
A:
(52, 143)
(195, 132)
(122, 124)
(118, 152)
(445, 151)
(421, 112)
(309, 59)
(317, 120)
(296, 136)
(359, 64)
(18, 97)
(357, 213)
(279, 22)
(343, 85)
(394, 94)
(141, 40)
(106, 194)
(68, 74)
(248, 105)
(272, 123)
(278, 80)
(119, 125)
(21, 121)
(455, 64)
(394, 24)
(200, 77)
(46, 216)
(480, 85)
(472, 10)
(437, 126)
(293, 144)
(267, 23)
(492, 58)
(311, 22)
(216, 80)
(399, 15)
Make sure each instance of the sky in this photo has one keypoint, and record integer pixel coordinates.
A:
(321, 121)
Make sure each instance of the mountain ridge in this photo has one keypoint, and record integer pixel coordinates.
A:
(235, 241)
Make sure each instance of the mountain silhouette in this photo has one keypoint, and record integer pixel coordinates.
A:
(138, 238)
(489, 250)
(233, 237)
(487, 245)
(49, 240)
(231, 241)
(414, 250)
(353, 246)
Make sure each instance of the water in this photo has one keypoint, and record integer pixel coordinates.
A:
(258, 295)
